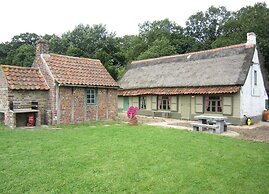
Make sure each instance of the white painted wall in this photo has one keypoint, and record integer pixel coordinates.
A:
(252, 97)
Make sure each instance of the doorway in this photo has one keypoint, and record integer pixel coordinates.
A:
(125, 103)
(186, 107)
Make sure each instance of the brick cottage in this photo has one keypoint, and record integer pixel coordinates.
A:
(56, 89)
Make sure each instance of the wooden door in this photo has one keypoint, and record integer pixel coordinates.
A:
(185, 107)
(125, 103)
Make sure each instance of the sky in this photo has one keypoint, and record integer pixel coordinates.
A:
(119, 16)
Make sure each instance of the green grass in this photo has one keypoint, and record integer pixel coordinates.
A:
(123, 159)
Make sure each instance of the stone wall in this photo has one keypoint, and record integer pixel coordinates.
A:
(3, 92)
(32, 95)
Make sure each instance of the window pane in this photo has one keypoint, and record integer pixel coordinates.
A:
(213, 109)
(255, 77)
(164, 104)
(213, 103)
(142, 102)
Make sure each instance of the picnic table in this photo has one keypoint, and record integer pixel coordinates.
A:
(209, 122)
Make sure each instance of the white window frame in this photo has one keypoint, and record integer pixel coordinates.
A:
(91, 97)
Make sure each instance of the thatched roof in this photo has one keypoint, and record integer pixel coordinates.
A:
(227, 66)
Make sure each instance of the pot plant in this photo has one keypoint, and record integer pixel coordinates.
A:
(131, 114)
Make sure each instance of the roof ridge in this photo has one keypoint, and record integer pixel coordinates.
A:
(196, 52)
(67, 56)
(18, 67)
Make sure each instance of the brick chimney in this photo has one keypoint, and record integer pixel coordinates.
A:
(42, 47)
(251, 38)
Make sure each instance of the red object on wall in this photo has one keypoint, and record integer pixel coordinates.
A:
(30, 119)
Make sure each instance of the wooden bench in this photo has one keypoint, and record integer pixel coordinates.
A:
(203, 127)
(165, 114)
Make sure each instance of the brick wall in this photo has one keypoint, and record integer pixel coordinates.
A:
(102, 101)
(73, 106)
(65, 104)
(107, 104)
(51, 110)
(79, 104)
(32, 95)
(112, 103)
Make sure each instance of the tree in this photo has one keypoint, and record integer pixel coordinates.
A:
(89, 39)
(131, 47)
(174, 33)
(247, 19)
(24, 55)
(160, 47)
(5, 48)
(152, 31)
(207, 26)
(56, 44)
(24, 38)
(19, 50)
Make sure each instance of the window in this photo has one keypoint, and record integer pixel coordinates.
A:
(164, 102)
(213, 104)
(143, 102)
(255, 77)
(91, 96)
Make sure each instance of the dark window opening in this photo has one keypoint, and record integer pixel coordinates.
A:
(255, 77)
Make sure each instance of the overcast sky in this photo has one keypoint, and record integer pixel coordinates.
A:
(120, 16)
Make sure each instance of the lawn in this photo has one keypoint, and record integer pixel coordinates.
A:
(122, 159)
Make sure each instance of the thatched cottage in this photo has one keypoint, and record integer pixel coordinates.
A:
(226, 81)
(56, 89)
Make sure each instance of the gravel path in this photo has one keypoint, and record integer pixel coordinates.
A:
(256, 132)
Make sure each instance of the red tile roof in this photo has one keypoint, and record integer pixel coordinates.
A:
(24, 78)
(78, 71)
(185, 90)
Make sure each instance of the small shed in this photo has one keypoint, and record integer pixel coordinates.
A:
(24, 96)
